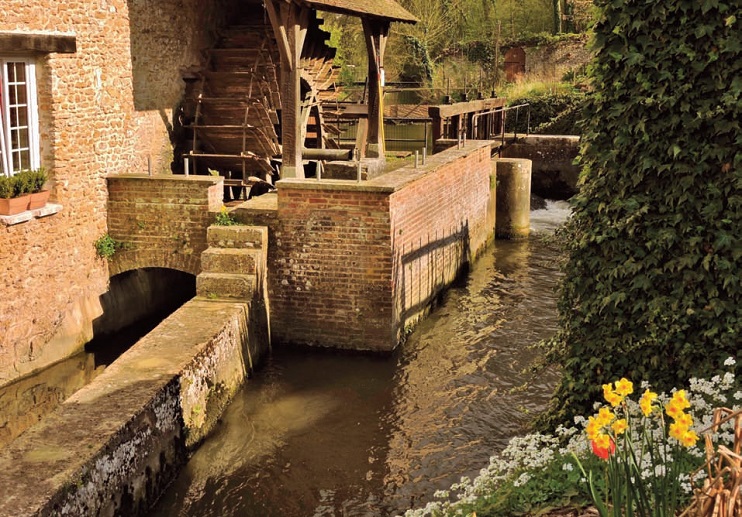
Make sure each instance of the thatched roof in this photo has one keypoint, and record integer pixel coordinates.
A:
(383, 9)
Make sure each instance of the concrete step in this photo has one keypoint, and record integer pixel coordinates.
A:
(237, 236)
(225, 286)
(241, 261)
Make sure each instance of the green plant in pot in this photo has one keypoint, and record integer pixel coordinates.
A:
(14, 194)
(39, 197)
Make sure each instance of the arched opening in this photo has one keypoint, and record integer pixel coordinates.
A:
(136, 302)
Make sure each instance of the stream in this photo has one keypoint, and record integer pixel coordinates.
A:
(321, 434)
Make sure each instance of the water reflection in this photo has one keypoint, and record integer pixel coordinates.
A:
(24, 403)
(326, 434)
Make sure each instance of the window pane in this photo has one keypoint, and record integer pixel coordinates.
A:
(21, 97)
(23, 133)
(18, 117)
(21, 160)
(17, 72)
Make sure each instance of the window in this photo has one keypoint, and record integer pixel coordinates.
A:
(19, 133)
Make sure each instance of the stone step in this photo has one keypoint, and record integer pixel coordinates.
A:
(237, 236)
(225, 286)
(241, 261)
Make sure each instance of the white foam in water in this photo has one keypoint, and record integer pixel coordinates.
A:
(550, 218)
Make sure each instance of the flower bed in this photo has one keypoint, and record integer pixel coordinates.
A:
(633, 453)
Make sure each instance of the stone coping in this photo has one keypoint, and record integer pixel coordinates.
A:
(197, 178)
(537, 138)
(85, 444)
(392, 181)
(48, 209)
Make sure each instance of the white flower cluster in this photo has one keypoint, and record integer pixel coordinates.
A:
(536, 451)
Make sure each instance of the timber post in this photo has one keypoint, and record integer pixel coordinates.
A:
(376, 33)
(290, 21)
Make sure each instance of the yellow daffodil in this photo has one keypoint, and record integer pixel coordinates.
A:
(603, 441)
(605, 416)
(593, 428)
(680, 399)
(619, 426)
(645, 403)
(677, 431)
(613, 398)
(624, 387)
(689, 438)
(684, 419)
(673, 409)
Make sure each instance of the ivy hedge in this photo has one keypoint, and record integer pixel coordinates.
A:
(551, 113)
(653, 284)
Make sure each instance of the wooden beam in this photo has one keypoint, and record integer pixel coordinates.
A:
(376, 33)
(291, 22)
(279, 24)
(18, 42)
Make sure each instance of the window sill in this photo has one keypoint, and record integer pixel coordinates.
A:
(48, 209)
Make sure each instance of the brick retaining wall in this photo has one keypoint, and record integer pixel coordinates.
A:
(352, 264)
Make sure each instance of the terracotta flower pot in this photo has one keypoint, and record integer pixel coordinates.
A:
(14, 205)
(38, 199)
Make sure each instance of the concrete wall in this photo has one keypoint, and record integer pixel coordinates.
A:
(104, 109)
(352, 264)
(554, 174)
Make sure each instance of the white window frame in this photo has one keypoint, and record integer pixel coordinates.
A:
(7, 166)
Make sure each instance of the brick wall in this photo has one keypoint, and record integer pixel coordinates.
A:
(99, 114)
(352, 264)
(161, 221)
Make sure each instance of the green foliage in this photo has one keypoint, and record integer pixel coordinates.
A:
(224, 218)
(37, 179)
(534, 491)
(652, 287)
(22, 183)
(6, 187)
(552, 112)
(106, 246)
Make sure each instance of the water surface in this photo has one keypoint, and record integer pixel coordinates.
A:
(326, 434)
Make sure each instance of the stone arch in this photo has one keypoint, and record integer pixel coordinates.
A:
(166, 258)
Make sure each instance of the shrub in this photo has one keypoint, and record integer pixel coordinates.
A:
(37, 179)
(22, 183)
(551, 112)
(6, 187)
(652, 284)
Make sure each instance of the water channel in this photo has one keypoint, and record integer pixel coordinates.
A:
(324, 434)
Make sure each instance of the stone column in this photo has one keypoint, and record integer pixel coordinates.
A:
(513, 213)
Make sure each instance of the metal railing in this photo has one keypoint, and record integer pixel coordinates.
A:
(502, 111)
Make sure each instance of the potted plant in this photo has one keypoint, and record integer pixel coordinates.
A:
(14, 194)
(37, 179)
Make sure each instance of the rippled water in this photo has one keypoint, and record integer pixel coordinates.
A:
(330, 434)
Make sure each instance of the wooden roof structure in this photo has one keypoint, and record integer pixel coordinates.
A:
(380, 9)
